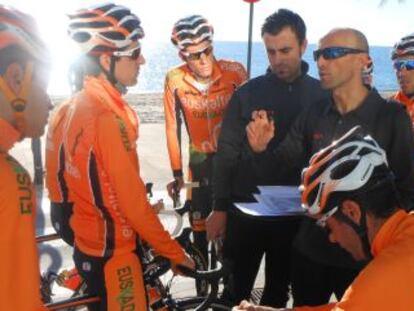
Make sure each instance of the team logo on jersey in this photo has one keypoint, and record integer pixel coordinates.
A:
(24, 187)
(124, 134)
(126, 287)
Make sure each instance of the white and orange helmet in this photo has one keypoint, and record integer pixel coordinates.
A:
(352, 164)
(104, 28)
(18, 28)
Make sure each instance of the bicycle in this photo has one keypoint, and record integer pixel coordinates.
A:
(154, 267)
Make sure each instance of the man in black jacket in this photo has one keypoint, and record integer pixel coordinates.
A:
(322, 268)
(284, 91)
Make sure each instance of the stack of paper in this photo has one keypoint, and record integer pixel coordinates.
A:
(274, 201)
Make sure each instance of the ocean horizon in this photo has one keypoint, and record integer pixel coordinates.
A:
(162, 56)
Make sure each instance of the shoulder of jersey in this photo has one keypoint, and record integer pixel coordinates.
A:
(230, 65)
(176, 71)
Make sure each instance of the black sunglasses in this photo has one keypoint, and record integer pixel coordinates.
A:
(335, 52)
(197, 55)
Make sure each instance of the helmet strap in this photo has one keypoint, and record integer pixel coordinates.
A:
(18, 101)
(361, 230)
(110, 75)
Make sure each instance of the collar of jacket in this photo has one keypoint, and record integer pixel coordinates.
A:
(364, 111)
(389, 231)
(102, 89)
(216, 75)
(304, 68)
(8, 136)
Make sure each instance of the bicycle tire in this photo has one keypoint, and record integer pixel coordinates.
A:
(184, 304)
(201, 264)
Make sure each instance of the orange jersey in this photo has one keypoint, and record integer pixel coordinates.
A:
(101, 167)
(55, 161)
(386, 283)
(203, 110)
(19, 262)
(407, 102)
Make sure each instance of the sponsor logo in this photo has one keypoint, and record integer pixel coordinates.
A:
(24, 187)
(124, 134)
(126, 286)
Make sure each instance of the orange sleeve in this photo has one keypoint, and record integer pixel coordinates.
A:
(242, 73)
(171, 128)
(129, 189)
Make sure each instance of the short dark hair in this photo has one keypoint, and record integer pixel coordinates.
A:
(13, 54)
(283, 18)
(380, 202)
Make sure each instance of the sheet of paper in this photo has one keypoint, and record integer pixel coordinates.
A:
(274, 201)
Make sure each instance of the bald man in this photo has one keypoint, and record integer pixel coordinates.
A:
(321, 268)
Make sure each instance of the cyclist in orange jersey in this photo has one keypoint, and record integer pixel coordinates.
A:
(199, 90)
(100, 131)
(24, 109)
(350, 190)
(403, 61)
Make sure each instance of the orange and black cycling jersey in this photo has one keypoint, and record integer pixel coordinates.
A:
(102, 171)
(408, 102)
(386, 283)
(202, 110)
(55, 157)
(19, 262)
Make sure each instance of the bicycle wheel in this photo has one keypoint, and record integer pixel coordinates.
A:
(194, 302)
(201, 264)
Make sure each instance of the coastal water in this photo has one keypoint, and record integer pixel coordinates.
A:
(162, 56)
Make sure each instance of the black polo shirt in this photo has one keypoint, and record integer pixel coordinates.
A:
(386, 121)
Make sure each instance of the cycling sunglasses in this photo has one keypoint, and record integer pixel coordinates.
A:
(407, 64)
(335, 52)
(133, 54)
(197, 55)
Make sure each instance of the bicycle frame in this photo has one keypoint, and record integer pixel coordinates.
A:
(154, 267)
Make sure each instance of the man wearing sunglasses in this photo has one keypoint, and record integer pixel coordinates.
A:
(197, 91)
(282, 92)
(342, 57)
(403, 61)
(349, 189)
(93, 164)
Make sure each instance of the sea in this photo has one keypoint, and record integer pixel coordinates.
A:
(162, 56)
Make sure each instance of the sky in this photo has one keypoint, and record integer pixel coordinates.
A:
(383, 25)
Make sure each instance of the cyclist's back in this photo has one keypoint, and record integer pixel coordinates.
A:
(60, 204)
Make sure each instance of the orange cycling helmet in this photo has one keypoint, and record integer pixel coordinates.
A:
(104, 28)
(191, 30)
(19, 29)
(404, 47)
(353, 164)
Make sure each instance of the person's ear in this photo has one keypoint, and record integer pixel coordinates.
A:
(13, 76)
(352, 210)
(105, 61)
(182, 57)
(303, 47)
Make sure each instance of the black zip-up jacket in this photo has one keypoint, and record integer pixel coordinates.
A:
(235, 176)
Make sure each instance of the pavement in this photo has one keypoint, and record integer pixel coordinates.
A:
(155, 168)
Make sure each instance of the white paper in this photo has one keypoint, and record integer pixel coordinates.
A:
(274, 201)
